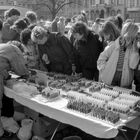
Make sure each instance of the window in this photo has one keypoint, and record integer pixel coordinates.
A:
(138, 2)
(93, 2)
(112, 1)
(101, 1)
(86, 3)
(120, 2)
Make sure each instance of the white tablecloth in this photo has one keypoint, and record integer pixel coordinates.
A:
(57, 110)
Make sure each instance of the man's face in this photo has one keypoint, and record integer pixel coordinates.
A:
(41, 41)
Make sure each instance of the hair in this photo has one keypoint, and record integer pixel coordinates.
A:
(98, 20)
(110, 29)
(81, 28)
(129, 20)
(20, 24)
(38, 32)
(26, 20)
(31, 26)
(25, 36)
(32, 16)
(119, 22)
(81, 18)
(74, 18)
(129, 30)
(13, 12)
(1, 24)
(62, 19)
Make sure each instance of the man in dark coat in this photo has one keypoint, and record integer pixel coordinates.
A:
(55, 50)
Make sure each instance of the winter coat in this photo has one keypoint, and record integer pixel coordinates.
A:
(107, 64)
(86, 54)
(11, 59)
(59, 51)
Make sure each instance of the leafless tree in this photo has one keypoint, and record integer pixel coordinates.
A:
(54, 6)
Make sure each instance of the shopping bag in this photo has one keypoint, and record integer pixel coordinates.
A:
(9, 124)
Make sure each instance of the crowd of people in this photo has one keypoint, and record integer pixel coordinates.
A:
(106, 52)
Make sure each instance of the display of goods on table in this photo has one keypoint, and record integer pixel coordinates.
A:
(91, 98)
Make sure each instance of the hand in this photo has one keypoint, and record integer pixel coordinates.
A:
(45, 58)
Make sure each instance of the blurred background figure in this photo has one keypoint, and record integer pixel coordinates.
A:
(1, 25)
(61, 25)
(31, 16)
(11, 16)
(54, 27)
(17, 27)
(96, 27)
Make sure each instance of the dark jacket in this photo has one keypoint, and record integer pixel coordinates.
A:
(137, 77)
(60, 54)
(54, 26)
(87, 52)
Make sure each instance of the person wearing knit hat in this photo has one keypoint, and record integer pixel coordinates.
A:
(20, 25)
(118, 61)
(55, 50)
(32, 17)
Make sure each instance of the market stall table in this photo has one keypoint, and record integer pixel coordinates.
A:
(57, 110)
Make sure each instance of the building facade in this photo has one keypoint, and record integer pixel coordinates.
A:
(98, 8)
(133, 9)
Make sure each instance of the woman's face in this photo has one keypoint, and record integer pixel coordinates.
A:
(77, 36)
(129, 39)
(106, 37)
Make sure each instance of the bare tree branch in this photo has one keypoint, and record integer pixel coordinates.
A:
(55, 6)
(48, 6)
(64, 4)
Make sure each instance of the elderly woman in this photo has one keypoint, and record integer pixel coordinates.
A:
(117, 62)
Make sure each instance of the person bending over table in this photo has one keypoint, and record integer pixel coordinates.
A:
(55, 50)
(11, 59)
